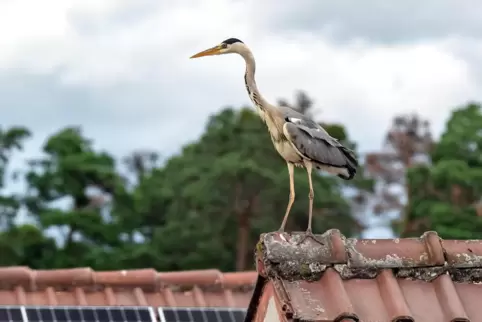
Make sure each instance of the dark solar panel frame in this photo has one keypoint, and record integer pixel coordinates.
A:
(201, 314)
(89, 314)
(12, 313)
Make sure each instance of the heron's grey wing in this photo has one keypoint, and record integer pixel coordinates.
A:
(314, 143)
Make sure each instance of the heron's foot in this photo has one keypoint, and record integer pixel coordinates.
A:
(281, 230)
(309, 234)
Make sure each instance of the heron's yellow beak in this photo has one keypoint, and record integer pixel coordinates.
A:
(208, 52)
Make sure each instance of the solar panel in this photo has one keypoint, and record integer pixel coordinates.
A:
(201, 314)
(89, 314)
(12, 313)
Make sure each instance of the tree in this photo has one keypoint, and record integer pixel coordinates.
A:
(445, 196)
(202, 208)
(74, 173)
(302, 103)
(11, 140)
(12, 246)
(407, 143)
(26, 245)
(141, 162)
(227, 188)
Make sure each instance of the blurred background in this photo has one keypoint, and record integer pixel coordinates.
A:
(118, 152)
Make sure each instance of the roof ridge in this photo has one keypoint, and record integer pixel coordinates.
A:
(425, 257)
(146, 279)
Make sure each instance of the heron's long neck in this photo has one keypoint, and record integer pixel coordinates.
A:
(253, 92)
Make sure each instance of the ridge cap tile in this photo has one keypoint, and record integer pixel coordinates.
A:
(425, 257)
(463, 253)
(145, 278)
(425, 251)
(82, 276)
(11, 276)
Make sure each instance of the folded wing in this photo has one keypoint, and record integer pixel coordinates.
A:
(312, 142)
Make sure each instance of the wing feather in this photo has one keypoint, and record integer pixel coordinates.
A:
(314, 143)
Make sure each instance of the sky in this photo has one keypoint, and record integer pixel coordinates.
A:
(121, 69)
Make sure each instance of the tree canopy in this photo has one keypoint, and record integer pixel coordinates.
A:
(206, 206)
(445, 194)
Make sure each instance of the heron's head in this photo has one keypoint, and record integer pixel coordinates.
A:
(231, 45)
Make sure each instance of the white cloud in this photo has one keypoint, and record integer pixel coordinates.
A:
(362, 86)
(121, 50)
(374, 20)
(121, 70)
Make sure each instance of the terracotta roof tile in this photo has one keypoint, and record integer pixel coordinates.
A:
(399, 280)
(146, 287)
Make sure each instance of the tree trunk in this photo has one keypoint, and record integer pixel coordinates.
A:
(243, 240)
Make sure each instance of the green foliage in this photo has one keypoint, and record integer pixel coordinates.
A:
(233, 181)
(11, 140)
(68, 170)
(26, 245)
(202, 208)
(463, 137)
(445, 196)
(206, 206)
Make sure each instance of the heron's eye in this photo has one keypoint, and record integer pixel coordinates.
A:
(224, 46)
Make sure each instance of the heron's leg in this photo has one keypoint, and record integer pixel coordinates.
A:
(311, 195)
(292, 196)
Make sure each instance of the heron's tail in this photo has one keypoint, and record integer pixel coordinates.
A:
(351, 163)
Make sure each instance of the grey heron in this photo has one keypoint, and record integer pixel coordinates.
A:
(299, 140)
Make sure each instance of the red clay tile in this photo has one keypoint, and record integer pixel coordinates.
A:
(80, 296)
(449, 299)
(395, 280)
(66, 298)
(51, 298)
(20, 295)
(189, 278)
(144, 287)
(63, 277)
(392, 296)
(240, 299)
(463, 253)
(367, 301)
(125, 297)
(392, 253)
(283, 246)
(469, 295)
(365, 295)
(143, 278)
(16, 276)
(325, 300)
(233, 280)
(263, 305)
(156, 299)
(140, 297)
(8, 298)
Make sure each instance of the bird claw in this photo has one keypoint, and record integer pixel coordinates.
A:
(309, 234)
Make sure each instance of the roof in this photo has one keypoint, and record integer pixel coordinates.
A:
(142, 287)
(347, 279)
